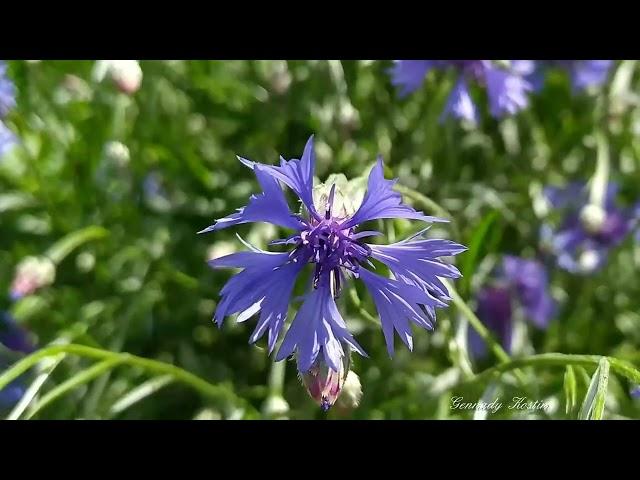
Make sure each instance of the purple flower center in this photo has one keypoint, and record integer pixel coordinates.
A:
(330, 246)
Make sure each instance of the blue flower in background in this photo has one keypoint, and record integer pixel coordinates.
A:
(7, 91)
(7, 102)
(506, 83)
(635, 392)
(7, 139)
(587, 232)
(518, 283)
(15, 339)
(587, 73)
(327, 237)
(584, 74)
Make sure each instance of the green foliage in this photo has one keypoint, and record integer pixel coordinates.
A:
(113, 188)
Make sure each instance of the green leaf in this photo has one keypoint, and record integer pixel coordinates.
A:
(488, 397)
(80, 378)
(110, 359)
(67, 244)
(593, 405)
(475, 245)
(570, 389)
(139, 393)
(15, 201)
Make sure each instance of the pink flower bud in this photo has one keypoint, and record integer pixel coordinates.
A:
(31, 274)
(324, 384)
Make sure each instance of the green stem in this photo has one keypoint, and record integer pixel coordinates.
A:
(557, 359)
(83, 377)
(154, 366)
(120, 105)
(68, 243)
(601, 176)
(424, 200)
(355, 299)
(35, 387)
(140, 392)
(276, 378)
(479, 327)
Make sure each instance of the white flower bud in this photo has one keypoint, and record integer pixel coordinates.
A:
(593, 217)
(118, 152)
(32, 273)
(588, 261)
(351, 392)
(275, 407)
(126, 74)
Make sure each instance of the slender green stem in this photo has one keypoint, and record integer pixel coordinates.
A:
(154, 366)
(68, 243)
(34, 388)
(600, 179)
(557, 359)
(276, 378)
(140, 392)
(81, 378)
(355, 299)
(479, 327)
(424, 200)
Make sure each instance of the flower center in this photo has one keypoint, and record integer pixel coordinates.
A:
(330, 247)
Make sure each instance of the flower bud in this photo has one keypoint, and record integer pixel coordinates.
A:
(589, 261)
(118, 153)
(593, 218)
(31, 274)
(275, 407)
(351, 392)
(126, 74)
(323, 383)
(280, 78)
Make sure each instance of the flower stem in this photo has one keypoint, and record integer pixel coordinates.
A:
(276, 378)
(424, 200)
(479, 327)
(557, 359)
(68, 243)
(355, 299)
(598, 192)
(83, 377)
(207, 389)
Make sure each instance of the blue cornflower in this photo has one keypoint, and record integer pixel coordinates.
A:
(506, 84)
(584, 74)
(520, 283)
(327, 237)
(587, 232)
(15, 339)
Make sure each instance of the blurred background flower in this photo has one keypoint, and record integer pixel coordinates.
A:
(505, 82)
(587, 231)
(519, 286)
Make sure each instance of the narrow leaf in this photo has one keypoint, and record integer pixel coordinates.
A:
(570, 389)
(593, 405)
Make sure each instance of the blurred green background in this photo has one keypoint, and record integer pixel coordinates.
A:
(154, 167)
